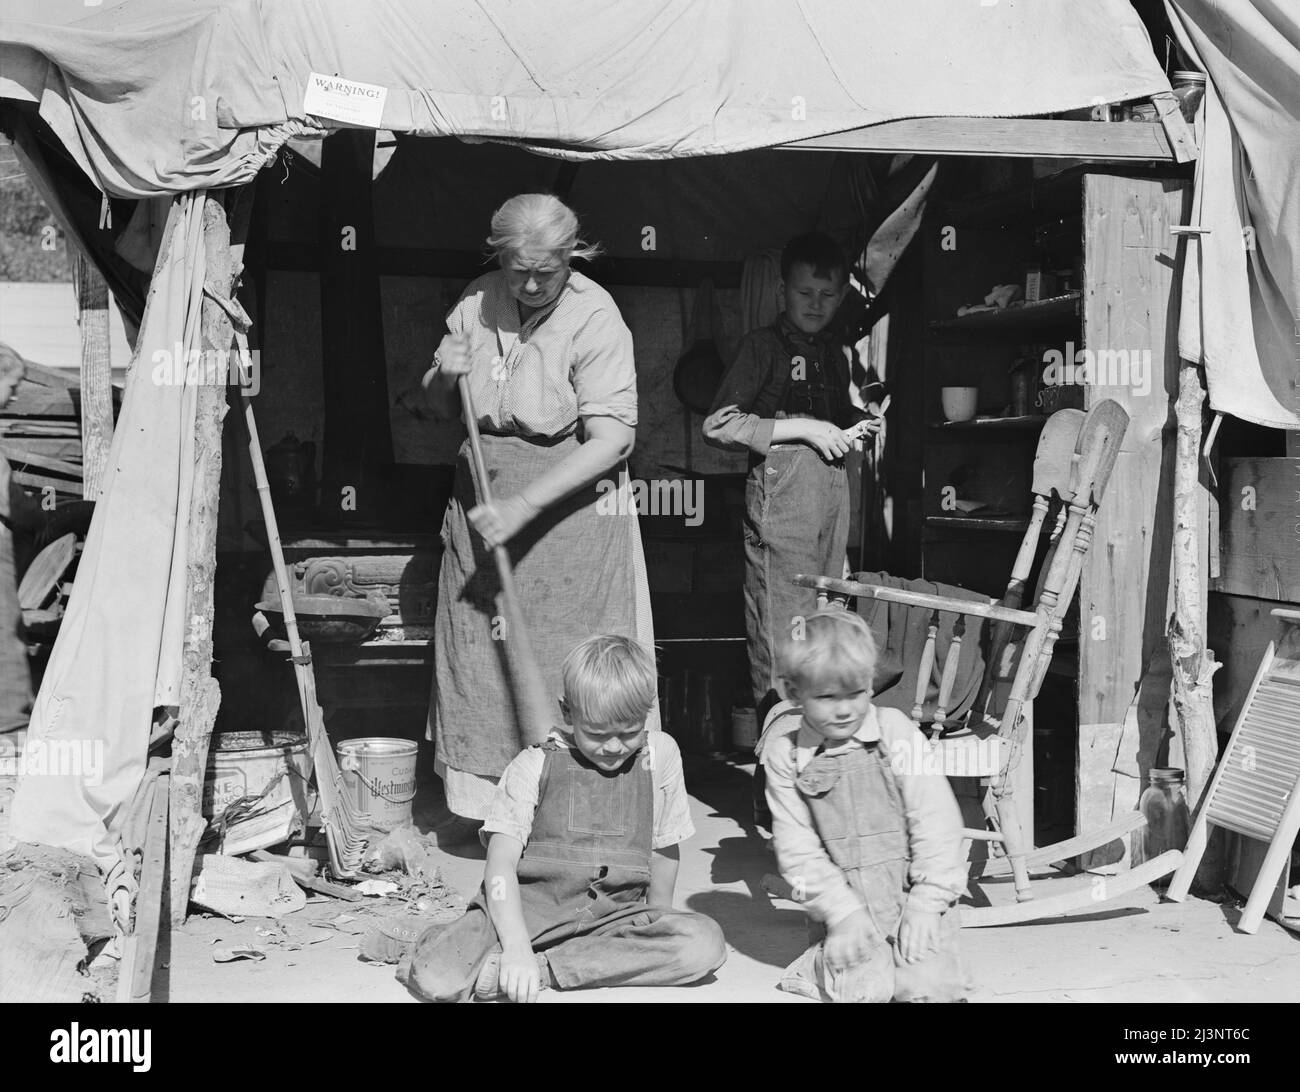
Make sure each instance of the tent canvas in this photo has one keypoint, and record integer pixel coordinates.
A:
(1240, 312)
(159, 97)
(154, 98)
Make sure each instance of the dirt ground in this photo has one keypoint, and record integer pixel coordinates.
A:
(1136, 949)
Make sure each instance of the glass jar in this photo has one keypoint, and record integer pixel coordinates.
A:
(1189, 90)
(1164, 806)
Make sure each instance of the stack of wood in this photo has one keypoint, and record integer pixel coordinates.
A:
(40, 435)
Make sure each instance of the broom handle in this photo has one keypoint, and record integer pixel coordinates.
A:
(272, 529)
(533, 702)
(300, 667)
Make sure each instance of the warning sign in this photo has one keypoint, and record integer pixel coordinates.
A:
(360, 104)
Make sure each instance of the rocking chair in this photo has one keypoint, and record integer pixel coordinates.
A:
(1075, 455)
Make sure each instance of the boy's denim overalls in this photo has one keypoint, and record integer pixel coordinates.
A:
(583, 878)
(796, 510)
(858, 811)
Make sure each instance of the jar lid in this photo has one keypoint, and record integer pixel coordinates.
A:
(1166, 775)
(1187, 76)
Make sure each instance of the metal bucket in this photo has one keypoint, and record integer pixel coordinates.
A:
(744, 729)
(380, 775)
(271, 765)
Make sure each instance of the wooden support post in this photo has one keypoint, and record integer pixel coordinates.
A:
(358, 438)
(150, 937)
(1182, 141)
(96, 375)
(200, 693)
(1191, 700)
(1130, 283)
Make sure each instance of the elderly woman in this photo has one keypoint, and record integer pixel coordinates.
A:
(548, 360)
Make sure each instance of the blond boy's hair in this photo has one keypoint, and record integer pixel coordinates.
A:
(830, 646)
(610, 679)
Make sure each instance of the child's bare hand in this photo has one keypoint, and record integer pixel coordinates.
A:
(862, 430)
(918, 935)
(848, 941)
(521, 978)
(826, 439)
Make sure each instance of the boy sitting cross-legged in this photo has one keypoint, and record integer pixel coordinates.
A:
(581, 855)
(867, 833)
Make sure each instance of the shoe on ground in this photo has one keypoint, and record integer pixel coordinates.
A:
(391, 940)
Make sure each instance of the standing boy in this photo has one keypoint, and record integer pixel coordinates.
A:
(582, 855)
(785, 400)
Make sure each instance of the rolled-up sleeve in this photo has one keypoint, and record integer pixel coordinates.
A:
(937, 873)
(731, 424)
(604, 368)
(515, 801)
(805, 865)
(672, 810)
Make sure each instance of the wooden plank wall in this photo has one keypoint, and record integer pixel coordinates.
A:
(1130, 303)
(1259, 521)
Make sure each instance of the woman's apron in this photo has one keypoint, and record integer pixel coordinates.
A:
(574, 571)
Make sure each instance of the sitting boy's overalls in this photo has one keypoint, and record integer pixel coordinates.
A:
(583, 877)
(857, 808)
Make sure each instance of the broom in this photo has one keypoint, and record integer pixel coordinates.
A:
(530, 700)
(344, 826)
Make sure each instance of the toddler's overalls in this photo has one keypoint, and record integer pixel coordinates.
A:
(857, 808)
(583, 878)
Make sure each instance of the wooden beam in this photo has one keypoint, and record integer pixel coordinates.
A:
(1013, 137)
(1191, 702)
(140, 950)
(358, 442)
(200, 693)
(400, 261)
(1130, 286)
(40, 482)
(96, 374)
(1182, 141)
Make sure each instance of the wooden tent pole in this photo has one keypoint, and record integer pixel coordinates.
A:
(96, 375)
(200, 693)
(1191, 702)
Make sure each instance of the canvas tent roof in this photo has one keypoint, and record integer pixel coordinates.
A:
(1240, 313)
(161, 97)
(153, 98)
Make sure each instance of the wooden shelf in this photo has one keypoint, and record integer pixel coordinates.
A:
(1018, 524)
(1031, 423)
(402, 261)
(1056, 195)
(1047, 314)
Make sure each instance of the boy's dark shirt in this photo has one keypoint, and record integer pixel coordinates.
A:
(759, 387)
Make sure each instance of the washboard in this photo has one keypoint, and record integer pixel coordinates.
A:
(1256, 788)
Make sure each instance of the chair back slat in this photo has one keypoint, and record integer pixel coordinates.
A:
(949, 676)
(1097, 449)
(927, 668)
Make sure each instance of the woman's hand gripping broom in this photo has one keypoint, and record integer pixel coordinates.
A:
(532, 704)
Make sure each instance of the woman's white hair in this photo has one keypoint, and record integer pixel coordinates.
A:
(540, 221)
